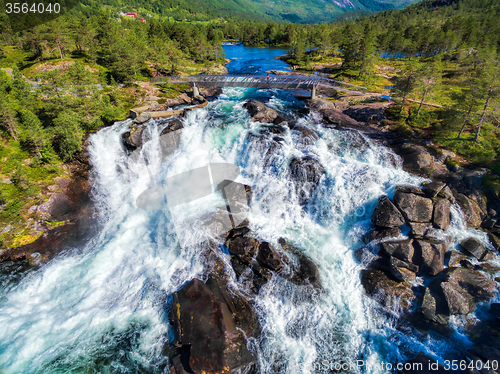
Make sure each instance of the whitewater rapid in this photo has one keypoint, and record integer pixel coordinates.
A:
(103, 307)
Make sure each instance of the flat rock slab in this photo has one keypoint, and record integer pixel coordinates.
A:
(415, 208)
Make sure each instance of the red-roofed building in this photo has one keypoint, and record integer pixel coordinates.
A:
(131, 15)
(142, 20)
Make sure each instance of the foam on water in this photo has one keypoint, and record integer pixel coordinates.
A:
(105, 306)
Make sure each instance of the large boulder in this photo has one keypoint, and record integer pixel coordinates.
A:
(142, 118)
(307, 272)
(215, 323)
(474, 247)
(170, 137)
(268, 257)
(457, 299)
(386, 214)
(261, 112)
(441, 217)
(416, 159)
(306, 173)
(402, 249)
(473, 213)
(385, 290)
(380, 234)
(371, 113)
(322, 104)
(402, 270)
(335, 118)
(58, 206)
(479, 286)
(434, 306)
(306, 135)
(242, 250)
(415, 208)
(133, 138)
(429, 256)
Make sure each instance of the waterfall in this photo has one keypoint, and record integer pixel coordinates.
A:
(103, 307)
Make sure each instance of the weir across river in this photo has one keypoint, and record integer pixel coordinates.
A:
(287, 82)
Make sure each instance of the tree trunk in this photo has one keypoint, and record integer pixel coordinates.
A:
(478, 132)
(421, 102)
(59, 47)
(463, 128)
(404, 99)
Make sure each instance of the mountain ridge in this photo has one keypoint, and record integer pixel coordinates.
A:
(296, 11)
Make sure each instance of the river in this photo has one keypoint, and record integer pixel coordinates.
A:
(102, 308)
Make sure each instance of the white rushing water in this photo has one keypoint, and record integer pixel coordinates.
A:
(102, 308)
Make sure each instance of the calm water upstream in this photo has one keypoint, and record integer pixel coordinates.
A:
(101, 308)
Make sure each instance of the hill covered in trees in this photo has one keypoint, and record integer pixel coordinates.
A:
(297, 11)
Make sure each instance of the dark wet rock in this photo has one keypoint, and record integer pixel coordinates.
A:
(133, 139)
(455, 292)
(209, 93)
(214, 322)
(489, 222)
(474, 248)
(173, 125)
(494, 240)
(455, 257)
(58, 206)
(365, 256)
(402, 250)
(479, 286)
(268, 257)
(336, 118)
(446, 193)
(261, 112)
(371, 113)
(473, 213)
(466, 264)
(307, 271)
(386, 214)
(388, 292)
(170, 137)
(142, 118)
(382, 234)
(458, 301)
(418, 230)
(416, 159)
(437, 236)
(240, 231)
(434, 307)
(432, 189)
(242, 250)
(410, 189)
(487, 268)
(429, 256)
(415, 208)
(306, 173)
(307, 136)
(402, 270)
(441, 217)
(239, 196)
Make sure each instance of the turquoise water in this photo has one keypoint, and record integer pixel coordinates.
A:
(102, 308)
